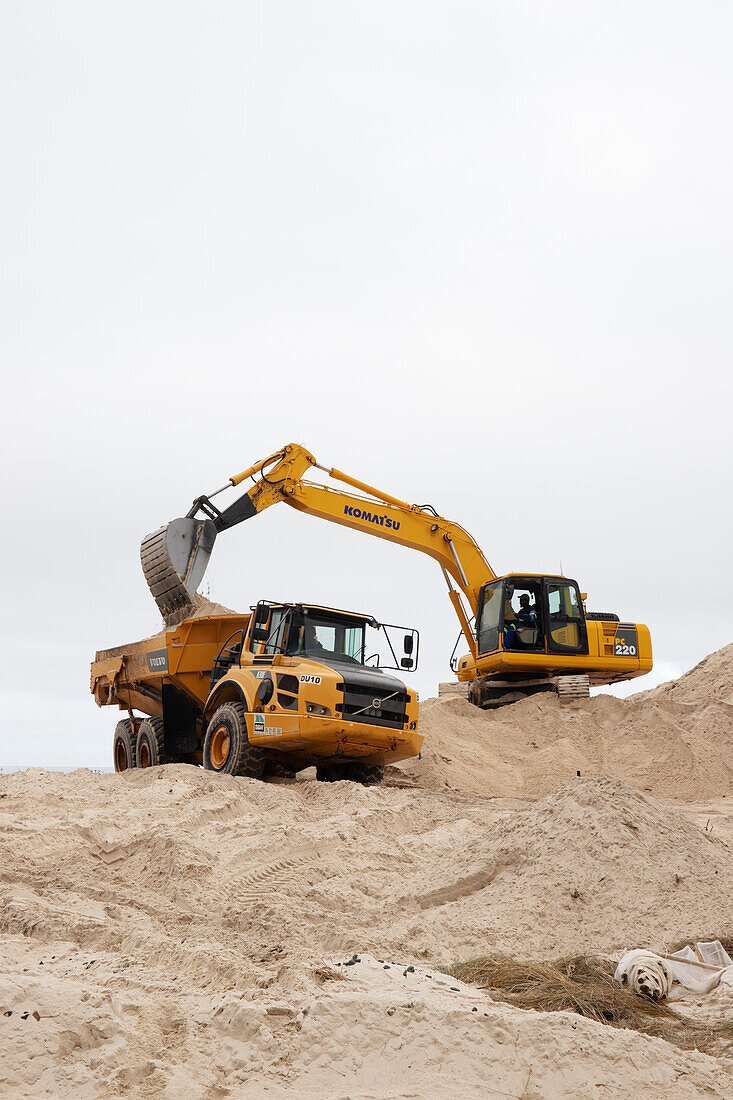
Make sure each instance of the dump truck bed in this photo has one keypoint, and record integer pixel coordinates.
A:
(133, 676)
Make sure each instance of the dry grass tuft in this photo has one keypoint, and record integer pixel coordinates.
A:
(584, 984)
(328, 974)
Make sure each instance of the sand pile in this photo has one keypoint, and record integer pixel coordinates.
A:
(709, 682)
(166, 926)
(201, 607)
(592, 863)
(343, 867)
(674, 742)
(374, 1034)
(169, 932)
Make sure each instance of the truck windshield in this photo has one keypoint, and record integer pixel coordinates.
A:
(319, 635)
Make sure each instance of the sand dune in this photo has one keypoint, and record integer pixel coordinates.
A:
(170, 933)
(675, 741)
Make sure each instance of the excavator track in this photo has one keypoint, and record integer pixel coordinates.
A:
(490, 694)
(570, 688)
(447, 687)
(173, 560)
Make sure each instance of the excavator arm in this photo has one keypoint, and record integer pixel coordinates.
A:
(174, 559)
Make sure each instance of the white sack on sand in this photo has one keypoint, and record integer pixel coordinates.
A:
(645, 973)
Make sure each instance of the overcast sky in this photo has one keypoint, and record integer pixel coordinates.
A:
(475, 253)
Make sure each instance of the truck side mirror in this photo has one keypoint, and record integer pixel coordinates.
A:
(259, 631)
(406, 662)
(409, 643)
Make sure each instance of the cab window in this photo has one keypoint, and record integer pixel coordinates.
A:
(276, 627)
(522, 625)
(490, 617)
(322, 636)
(566, 630)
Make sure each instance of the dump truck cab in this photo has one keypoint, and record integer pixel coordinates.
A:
(314, 690)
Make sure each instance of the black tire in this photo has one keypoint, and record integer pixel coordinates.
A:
(366, 774)
(602, 616)
(329, 773)
(227, 748)
(355, 772)
(276, 769)
(150, 748)
(123, 746)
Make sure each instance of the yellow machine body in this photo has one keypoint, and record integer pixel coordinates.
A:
(308, 719)
(287, 726)
(586, 648)
(616, 651)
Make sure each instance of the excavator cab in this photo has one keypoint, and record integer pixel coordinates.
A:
(531, 614)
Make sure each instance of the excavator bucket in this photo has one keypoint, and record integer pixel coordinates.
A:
(174, 560)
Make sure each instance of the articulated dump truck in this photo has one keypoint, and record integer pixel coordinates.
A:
(264, 694)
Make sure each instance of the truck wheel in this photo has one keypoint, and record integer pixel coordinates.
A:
(150, 744)
(275, 769)
(227, 748)
(367, 774)
(330, 773)
(123, 746)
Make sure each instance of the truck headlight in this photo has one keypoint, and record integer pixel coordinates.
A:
(316, 708)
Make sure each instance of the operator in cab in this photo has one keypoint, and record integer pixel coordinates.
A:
(526, 615)
(307, 638)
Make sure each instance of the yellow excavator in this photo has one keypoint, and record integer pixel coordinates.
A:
(526, 632)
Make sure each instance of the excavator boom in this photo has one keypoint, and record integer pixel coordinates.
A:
(174, 558)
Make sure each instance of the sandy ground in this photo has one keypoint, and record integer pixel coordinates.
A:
(173, 934)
